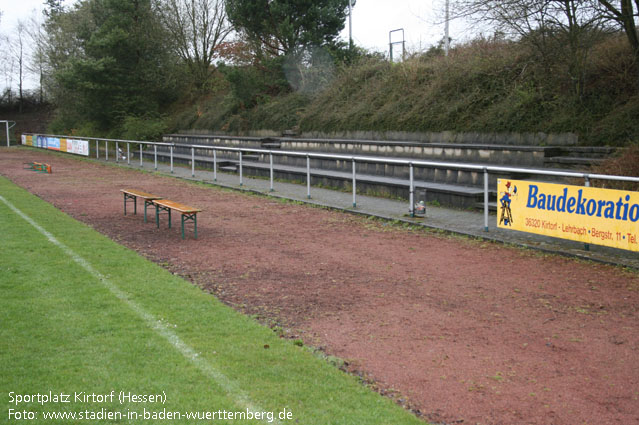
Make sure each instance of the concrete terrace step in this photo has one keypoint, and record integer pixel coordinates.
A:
(489, 153)
(571, 161)
(492, 206)
(581, 151)
(445, 194)
(557, 158)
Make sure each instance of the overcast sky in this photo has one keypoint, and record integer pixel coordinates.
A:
(13, 10)
(422, 21)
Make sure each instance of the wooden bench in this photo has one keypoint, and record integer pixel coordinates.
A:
(133, 194)
(188, 213)
(40, 167)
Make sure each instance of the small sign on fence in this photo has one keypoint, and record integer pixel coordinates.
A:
(591, 215)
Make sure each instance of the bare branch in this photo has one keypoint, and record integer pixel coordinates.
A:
(198, 28)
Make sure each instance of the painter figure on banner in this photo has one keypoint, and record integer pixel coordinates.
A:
(505, 199)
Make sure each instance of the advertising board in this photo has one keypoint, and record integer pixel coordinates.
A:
(75, 146)
(591, 215)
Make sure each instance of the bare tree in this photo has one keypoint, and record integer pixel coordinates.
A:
(38, 56)
(625, 15)
(17, 46)
(7, 67)
(567, 29)
(198, 28)
(580, 20)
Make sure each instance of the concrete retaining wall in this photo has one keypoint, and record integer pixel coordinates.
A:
(513, 139)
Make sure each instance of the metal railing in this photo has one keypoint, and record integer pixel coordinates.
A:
(485, 169)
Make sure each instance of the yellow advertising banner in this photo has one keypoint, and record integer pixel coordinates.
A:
(585, 214)
(63, 145)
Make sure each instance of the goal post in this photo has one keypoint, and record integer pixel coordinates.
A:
(8, 125)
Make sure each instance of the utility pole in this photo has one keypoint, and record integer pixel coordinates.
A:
(446, 31)
(350, 24)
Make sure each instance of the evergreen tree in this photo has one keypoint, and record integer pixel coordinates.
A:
(111, 61)
(284, 26)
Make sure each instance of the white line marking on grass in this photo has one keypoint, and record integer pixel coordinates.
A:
(231, 388)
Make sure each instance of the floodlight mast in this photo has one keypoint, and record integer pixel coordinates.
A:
(390, 43)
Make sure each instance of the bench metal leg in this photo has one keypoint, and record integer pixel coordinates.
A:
(184, 218)
(128, 198)
(146, 203)
(192, 217)
(157, 215)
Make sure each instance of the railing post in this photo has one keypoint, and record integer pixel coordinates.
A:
(117, 151)
(97, 149)
(241, 176)
(485, 199)
(106, 149)
(270, 160)
(192, 161)
(354, 184)
(171, 155)
(215, 165)
(155, 157)
(308, 177)
(586, 184)
(6, 123)
(412, 191)
(141, 165)
(128, 153)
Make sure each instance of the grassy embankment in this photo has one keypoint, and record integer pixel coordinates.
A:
(483, 86)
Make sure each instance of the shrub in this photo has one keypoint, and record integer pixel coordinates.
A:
(143, 128)
(626, 163)
(253, 84)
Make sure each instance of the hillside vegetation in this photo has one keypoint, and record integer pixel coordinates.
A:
(484, 86)
(136, 70)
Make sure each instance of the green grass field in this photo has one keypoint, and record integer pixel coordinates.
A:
(83, 316)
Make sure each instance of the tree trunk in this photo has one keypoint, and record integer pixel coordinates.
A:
(20, 82)
(628, 22)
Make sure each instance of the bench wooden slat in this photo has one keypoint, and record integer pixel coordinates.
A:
(141, 194)
(184, 209)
